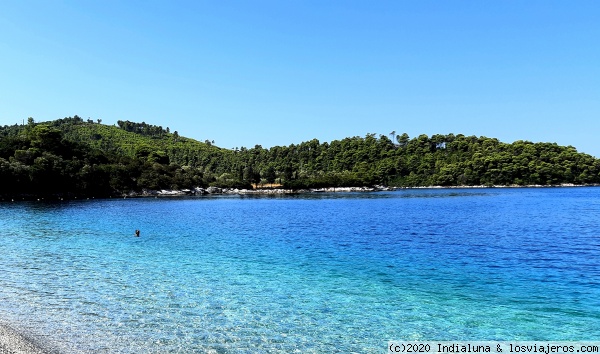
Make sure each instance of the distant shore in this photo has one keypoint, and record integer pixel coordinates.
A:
(145, 193)
(283, 191)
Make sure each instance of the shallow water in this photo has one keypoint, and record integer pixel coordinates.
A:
(311, 273)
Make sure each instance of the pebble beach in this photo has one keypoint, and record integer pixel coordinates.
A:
(12, 342)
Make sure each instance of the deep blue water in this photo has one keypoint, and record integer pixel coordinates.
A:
(310, 273)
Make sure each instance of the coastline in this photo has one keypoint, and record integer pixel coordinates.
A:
(13, 342)
(281, 191)
(199, 192)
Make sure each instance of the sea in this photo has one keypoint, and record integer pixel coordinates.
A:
(308, 273)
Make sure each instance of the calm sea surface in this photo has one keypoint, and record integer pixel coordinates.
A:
(311, 273)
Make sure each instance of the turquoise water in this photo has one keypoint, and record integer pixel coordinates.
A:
(313, 273)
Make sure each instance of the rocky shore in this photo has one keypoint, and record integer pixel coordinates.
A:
(280, 191)
(235, 191)
(264, 191)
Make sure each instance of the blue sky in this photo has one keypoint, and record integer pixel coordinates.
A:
(282, 72)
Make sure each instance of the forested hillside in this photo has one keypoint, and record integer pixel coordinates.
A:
(77, 157)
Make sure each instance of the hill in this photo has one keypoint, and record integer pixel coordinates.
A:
(71, 156)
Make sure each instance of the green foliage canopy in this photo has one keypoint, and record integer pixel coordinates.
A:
(77, 157)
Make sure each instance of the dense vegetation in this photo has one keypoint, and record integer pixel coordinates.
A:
(71, 156)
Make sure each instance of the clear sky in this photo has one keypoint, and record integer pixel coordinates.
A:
(280, 72)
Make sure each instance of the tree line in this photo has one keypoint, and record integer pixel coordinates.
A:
(76, 157)
(142, 128)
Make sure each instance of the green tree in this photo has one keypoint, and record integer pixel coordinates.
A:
(270, 175)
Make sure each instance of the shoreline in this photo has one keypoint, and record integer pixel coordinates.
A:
(14, 342)
(282, 191)
(200, 192)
